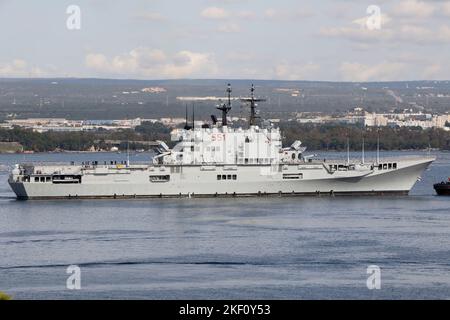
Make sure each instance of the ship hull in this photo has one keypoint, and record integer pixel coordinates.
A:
(442, 189)
(240, 181)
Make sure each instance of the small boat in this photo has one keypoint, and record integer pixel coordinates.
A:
(443, 188)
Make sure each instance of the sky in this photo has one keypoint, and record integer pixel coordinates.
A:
(325, 40)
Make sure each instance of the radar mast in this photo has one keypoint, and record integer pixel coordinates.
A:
(225, 108)
(252, 102)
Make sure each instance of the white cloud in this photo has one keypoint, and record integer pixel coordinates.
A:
(240, 56)
(214, 13)
(270, 13)
(288, 71)
(414, 9)
(417, 34)
(274, 14)
(385, 71)
(229, 28)
(422, 35)
(404, 33)
(357, 34)
(362, 22)
(444, 33)
(149, 63)
(20, 68)
(446, 8)
(432, 71)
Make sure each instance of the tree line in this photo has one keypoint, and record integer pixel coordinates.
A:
(335, 137)
(315, 137)
(84, 140)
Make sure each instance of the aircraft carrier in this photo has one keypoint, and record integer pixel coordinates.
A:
(216, 160)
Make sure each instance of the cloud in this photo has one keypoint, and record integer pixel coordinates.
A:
(274, 14)
(392, 32)
(287, 71)
(446, 8)
(385, 71)
(444, 33)
(416, 34)
(357, 34)
(414, 9)
(20, 68)
(214, 13)
(240, 56)
(150, 63)
(421, 35)
(229, 28)
(362, 22)
(432, 71)
(218, 13)
(271, 13)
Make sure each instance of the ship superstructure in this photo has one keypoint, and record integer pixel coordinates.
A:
(216, 160)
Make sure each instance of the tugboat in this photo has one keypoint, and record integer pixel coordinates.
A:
(443, 188)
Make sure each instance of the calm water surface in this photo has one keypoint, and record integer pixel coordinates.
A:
(275, 248)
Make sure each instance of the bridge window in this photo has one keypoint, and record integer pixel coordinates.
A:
(175, 169)
(227, 177)
(160, 178)
(66, 179)
(293, 176)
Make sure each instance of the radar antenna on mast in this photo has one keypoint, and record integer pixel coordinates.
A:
(252, 101)
(226, 108)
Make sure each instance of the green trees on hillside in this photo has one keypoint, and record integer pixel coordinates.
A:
(334, 137)
(81, 141)
(315, 137)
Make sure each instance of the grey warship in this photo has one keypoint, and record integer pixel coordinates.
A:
(217, 160)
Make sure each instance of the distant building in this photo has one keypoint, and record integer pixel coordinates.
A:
(153, 90)
(359, 116)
